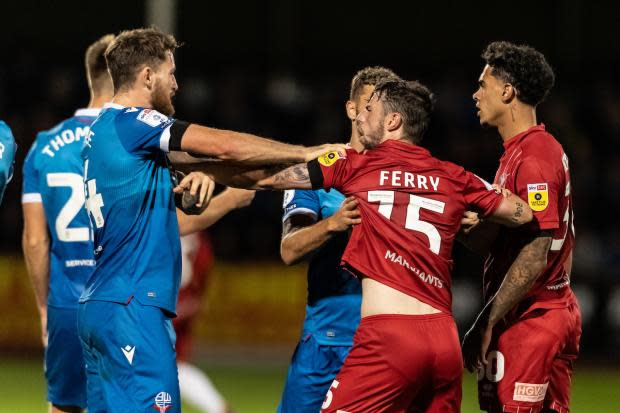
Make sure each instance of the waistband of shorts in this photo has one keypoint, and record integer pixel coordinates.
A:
(405, 317)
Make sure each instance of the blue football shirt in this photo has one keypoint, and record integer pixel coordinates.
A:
(334, 294)
(53, 175)
(7, 155)
(130, 202)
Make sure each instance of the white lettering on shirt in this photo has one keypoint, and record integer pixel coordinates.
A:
(407, 180)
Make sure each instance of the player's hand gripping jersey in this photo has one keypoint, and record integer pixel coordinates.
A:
(53, 173)
(535, 167)
(130, 201)
(411, 206)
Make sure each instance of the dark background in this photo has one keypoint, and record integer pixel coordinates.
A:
(282, 69)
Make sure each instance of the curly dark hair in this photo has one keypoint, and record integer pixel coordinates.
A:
(369, 76)
(412, 100)
(134, 49)
(522, 66)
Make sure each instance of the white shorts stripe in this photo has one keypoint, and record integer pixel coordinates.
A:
(31, 198)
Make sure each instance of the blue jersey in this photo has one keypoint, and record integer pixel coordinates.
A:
(334, 295)
(130, 202)
(53, 175)
(7, 154)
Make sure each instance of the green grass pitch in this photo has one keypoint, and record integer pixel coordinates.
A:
(256, 388)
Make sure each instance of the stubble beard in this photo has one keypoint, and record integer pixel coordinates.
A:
(162, 101)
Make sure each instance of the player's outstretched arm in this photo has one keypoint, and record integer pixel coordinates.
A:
(35, 243)
(526, 268)
(301, 236)
(228, 200)
(243, 147)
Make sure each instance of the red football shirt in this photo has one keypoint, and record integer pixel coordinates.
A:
(535, 167)
(411, 206)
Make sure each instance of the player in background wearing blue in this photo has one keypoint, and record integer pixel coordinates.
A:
(7, 154)
(315, 226)
(56, 239)
(124, 317)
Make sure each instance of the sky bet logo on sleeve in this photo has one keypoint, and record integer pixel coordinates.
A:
(152, 117)
(329, 158)
(538, 196)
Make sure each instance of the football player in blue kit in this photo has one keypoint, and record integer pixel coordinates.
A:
(315, 225)
(124, 317)
(7, 155)
(60, 263)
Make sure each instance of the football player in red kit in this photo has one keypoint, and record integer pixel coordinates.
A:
(525, 340)
(406, 354)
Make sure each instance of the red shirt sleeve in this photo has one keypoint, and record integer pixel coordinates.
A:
(479, 195)
(536, 183)
(336, 169)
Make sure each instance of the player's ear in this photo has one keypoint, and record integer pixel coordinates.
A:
(351, 109)
(394, 121)
(146, 77)
(509, 93)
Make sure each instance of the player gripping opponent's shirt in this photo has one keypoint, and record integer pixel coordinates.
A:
(137, 251)
(332, 310)
(53, 176)
(7, 154)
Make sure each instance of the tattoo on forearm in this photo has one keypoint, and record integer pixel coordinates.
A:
(523, 272)
(518, 212)
(294, 174)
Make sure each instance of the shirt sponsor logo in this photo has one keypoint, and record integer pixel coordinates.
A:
(163, 402)
(527, 392)
(79, 263)
(152, 117)
(538, 196)
(329, 158)
(427, 278)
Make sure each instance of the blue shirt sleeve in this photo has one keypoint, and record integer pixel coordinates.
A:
(30, 185)
(301, 201)
(143, 131)
(7, 155)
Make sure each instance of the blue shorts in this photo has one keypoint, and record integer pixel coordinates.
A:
(130, 358)
(64, 364)
(313, 368)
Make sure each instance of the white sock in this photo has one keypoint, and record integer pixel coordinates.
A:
(197, 389)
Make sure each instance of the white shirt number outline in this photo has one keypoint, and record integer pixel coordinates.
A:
(412, 222)
(71, 208)
(94, 201)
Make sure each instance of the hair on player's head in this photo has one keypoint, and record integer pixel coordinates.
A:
(369, 76)
(134, 49)
(522, 66)
(96, 67)
(412, 100)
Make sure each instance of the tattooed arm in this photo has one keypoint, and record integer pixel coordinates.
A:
(512, 212)
(526, 268)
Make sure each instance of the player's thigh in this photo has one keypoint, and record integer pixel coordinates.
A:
(313, 368)
(136, 358)
(519, 363)
(559, 391)
(64, 364)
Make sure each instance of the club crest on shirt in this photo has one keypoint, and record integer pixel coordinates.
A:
(329, 158)
(538, 196)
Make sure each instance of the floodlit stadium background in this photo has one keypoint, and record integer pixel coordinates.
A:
(282, 68)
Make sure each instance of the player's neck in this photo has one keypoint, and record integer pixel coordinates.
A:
(132, 98)
(355, 139)
(517, 120)
(97, 101)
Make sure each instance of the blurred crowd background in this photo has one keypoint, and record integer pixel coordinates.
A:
(282, 69)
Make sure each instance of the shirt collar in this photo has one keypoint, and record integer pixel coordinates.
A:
(88, 112)
(113, 106)
(518, 138)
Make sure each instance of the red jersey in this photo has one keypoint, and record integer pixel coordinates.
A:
(411, 206)
(535, 167)
(197, 260)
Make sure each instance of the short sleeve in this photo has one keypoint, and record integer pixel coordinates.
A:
(479, 195)
(144, 131)
(334, 169)
(30, 185)
(300, 201)
(536, 182)
(7, 155)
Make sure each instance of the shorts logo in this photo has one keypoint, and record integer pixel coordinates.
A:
(152, 117)
(526, 392)
(329, 158)
(288, 197)
(538, 196)
(129, 351)
(163, 402)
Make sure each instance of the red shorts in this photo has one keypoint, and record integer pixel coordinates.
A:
(183, 346)
(531, 362)
(400, 363)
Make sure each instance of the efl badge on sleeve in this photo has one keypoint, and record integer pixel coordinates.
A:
(538, 196)
(329, 158)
